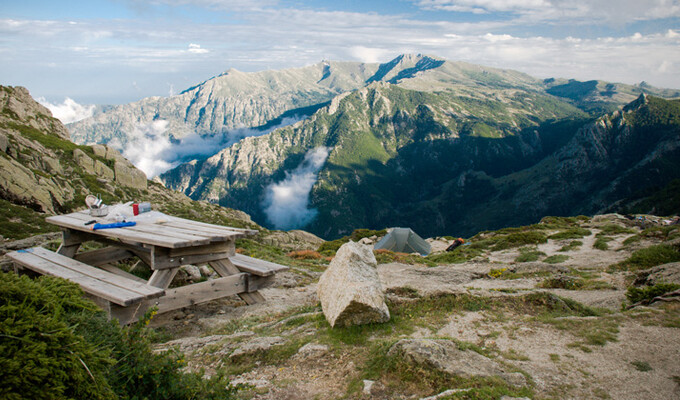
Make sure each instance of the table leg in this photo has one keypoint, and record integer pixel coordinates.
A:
(161, 278)
(70, 242)
(224, 268)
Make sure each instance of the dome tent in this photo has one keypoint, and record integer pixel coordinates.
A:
(403, 240)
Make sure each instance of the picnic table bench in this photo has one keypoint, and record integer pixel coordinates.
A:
(164, 244)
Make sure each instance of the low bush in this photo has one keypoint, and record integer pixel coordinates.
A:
(305, 255)
(556, 259)
(647, 293)
(649, 257)
(56, 344)
(518, 239)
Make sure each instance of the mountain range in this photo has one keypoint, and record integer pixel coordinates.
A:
(443, 147)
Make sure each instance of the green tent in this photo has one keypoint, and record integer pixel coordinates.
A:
(403, 240)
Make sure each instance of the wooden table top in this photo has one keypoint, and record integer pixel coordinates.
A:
(166, 231)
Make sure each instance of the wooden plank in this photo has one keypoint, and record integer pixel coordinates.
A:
(196, 293)
(120, 272)
(256, 266)
(225, 268)
(96, 273)
(213, 248)
(91, 285)
(182, 222)
(161, 259)
(73, 221)
(187, 296)
(103, 256)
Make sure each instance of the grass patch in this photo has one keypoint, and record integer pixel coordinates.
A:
(18, 222)
(648, 257)
(528, 254)
(460, 255)
(384, 256)
(571, 246)
(614, 229)
(556, 259)
(590, 331)
(632, 239)
(642, 366)
(562, 282)
(602, 243)
(329, 248)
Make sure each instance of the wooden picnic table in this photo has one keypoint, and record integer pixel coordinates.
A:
(165, 244)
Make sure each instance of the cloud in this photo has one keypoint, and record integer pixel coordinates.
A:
(68, 111)
(151, 148)
(146, 146)
(583, 12)
(196, 49)
(286, 203)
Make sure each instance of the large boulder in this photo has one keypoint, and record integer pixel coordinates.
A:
(350, 291)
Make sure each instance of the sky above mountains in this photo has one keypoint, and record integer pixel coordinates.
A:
(118, 51)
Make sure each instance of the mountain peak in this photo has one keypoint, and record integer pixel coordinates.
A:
(405, 66)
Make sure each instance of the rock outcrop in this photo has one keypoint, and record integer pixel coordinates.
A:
(350, 291)
(444, 356)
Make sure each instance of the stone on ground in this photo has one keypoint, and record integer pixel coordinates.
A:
(350, 290)
(444, 356)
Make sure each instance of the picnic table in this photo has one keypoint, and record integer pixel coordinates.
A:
(164, 244)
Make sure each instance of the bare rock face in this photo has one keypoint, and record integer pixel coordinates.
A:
(350, 291)
(128, 175)
(444, 356)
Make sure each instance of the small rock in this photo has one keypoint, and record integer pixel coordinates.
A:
(205, 270)
(366, 241)
(311, 350)
(192, 271)
(368, 384)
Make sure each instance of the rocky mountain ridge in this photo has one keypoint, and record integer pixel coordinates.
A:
(441, 163)
(236, 100)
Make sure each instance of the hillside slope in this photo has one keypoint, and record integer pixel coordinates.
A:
(44, 173)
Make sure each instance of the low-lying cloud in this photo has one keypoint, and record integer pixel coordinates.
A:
(286, 203)
(68, 111)
(151, 148)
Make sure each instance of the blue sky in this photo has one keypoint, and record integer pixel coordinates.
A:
(118, 51)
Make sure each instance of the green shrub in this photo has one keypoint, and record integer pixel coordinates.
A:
(56, 344)
(647, 293)
(556, 259)
(562, 282)
(649, 257)
(573, 245)
(614, 229)
(602, 243)
(41, 354)
(518, 239)
(528, 254)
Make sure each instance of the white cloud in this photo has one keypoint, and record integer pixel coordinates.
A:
(68, 111)
(368, 55)
(582, 12)
(286, 203)
(150, 147)
(196, 49)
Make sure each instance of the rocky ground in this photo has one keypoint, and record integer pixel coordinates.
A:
(486, 328)
(544, 320)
